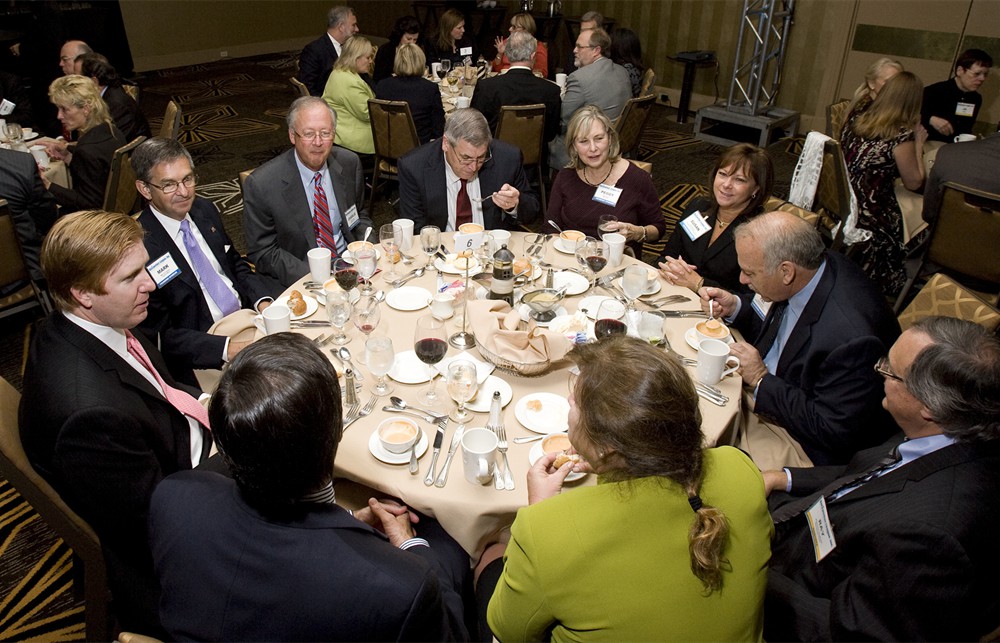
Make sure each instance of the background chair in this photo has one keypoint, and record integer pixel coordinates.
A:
(87, 555)
(394, 134)
(942, 295)
(648, 77)
(523, 126)
(299, 87)
(836, 114)
(22, 293)
(171, 126)
(632, 123)
(132, 91)
(833, 194)
(120, 194)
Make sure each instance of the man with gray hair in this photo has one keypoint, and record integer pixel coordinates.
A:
(591, 20)
(518, 85)
(466, 177)
(317, 58)
(905, 545)
(70, 51)
(308, 197)
(817, 326)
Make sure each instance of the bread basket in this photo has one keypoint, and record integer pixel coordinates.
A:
(515, 368)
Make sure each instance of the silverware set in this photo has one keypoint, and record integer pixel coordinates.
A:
(416, 273)
(502, 480)
(711, 393)
(355, 414)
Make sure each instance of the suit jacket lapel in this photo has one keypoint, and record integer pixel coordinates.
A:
(437, 190)
(810, 315)
(299, 213)
(340, 191)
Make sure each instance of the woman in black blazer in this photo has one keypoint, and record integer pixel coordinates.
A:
(701, 251)
(452, 42)
(409, 85)
(406, 31)
(82, 109)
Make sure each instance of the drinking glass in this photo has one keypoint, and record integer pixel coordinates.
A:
(430, 343)
(651, 326)
(454, 77)
(607, 223)
(338, 310)
(462, 385)
(390, 236)
(534, 250)
(430, 241)
(591, 254)
(365, 260)
(345, 273)
(14, 134)
(366, 315)
(484, 253)
(443, 69)
(380, 356)
(610, 314)
(634, 283)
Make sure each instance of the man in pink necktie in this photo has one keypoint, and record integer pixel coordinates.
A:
(101, 418)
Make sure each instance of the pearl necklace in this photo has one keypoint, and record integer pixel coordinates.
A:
(594, 185)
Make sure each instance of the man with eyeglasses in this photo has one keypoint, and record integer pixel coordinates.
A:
(900, 544)
(69, 53)
(950, 107)
(308, 197)
(465, 177)
(200, 276)
(596, 81)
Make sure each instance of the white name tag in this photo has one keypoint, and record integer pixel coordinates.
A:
(965, 109)
(607, 194)
(163, 270)
(6, 107)
(820, 529)
(760, 306)
(469, 241)
(695, 226)
(351, 216)
(465, 51)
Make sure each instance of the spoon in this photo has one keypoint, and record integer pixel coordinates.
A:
(528, 439)
(379, 296)
(553, 224)
(400, 404)
(414, 274)
(345, 356)
(414, 466)
(368, 233)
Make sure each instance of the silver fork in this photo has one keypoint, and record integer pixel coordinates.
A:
(477, 199)
(352, 414)
(319, 339)
(508, 478)
(497, 474)
(365, 411)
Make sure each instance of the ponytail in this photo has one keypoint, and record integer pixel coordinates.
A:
(707, 542)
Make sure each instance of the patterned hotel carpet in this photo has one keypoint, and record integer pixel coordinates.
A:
(232, 120)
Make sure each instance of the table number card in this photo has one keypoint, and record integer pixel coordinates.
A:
(468, 241)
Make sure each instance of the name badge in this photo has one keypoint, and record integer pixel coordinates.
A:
(163, 270)
(465, 51)
(607, 194)
(760, 306)
(469, 241)
(695, 226)
(6, 107)
(965, 109)
(820, 529)
(352, 216)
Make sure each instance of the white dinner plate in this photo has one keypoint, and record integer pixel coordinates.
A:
(408, 369)
(588, 330)
(483, 369)
(537, 452)
(552, 418)
(408, 298)
(311, 306)
(376, 449)
(592, 303)
(484, 398)
(525, 311)
(691, 337)
(558, 245)
(576, 283)
(652, 289)
(448, 266)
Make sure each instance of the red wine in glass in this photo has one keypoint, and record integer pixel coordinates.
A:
(596, 263)
(347, 278)
(430, 350)
(608, 327)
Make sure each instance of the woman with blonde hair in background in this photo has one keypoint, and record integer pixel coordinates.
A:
(877, 75)
(347, 94)
(408, 84)
(522, 22)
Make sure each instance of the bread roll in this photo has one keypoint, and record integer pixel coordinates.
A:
(564, 457)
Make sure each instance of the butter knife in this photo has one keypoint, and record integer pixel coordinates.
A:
(443, 476)
(438, 439)
(683, 313)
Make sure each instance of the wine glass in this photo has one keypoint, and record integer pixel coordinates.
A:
(367, 315)
(590, 253)
(365, 260)
(634, 283)
(462, 385)
(609, 318)
(380, 356)
(430, 343)
(430, 241)
(390, 236)
(607, 223)
(454, 77)
(338, 310)
(443, 68)
(484, 253)
(14, 134)
(345, 273)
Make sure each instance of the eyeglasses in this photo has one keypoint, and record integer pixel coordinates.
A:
(169, 187)
(325, 135)
(584, 46)
(882, 368)
(469, 160)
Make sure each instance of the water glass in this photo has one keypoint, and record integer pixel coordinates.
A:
(635, 280)
(651, 326)
(390, 236)
(338, 310)
(462, 385)
(380, 357)
(430, 241)
(365, 260)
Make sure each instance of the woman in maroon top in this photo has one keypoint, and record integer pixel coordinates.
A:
(598, 181)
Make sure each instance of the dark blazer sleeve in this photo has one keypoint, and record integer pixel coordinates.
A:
(89, 168)
(486, 99)
(413, 176)
(32, 208)
(315, 63)
(125, 113)
(261, 197)
(509, 169)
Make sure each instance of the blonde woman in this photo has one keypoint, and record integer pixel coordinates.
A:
(882, 144)
(347, 94)
(408, 84)
(522, 22)
(81, 109)
(877, 75)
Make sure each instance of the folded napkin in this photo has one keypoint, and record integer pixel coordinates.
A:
(496, 326)
(238, 326)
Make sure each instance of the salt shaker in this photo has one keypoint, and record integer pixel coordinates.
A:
(350, 391)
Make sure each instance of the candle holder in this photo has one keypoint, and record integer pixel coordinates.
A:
(463, 338)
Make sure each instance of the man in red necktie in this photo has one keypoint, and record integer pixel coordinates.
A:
(101, 418)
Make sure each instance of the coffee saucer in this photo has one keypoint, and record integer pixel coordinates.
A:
(376, 449)
(691, 337)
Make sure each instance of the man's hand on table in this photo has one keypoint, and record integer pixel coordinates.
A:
(723, 302)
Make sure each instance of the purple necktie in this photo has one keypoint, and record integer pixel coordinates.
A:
(210, 280)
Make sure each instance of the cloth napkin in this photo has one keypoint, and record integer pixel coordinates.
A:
(239, 326)
(496, 326)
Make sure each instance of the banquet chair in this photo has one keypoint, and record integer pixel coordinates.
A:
(632, 123)
(648, 77)
(963, 238)
(523, 126)
(299, 86)
(942, 295)
(394, 134)
(132, 90)
(836, 114)
(24, 293)
(171, 126)
(833, 194)
(120, 194)
(88, 560)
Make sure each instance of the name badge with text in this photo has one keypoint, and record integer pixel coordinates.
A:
(820, 529)
(607, 194)
(163, 270)
(465, 51)
(965, 109)
(695, 226)
(760, 306)
(351, 216)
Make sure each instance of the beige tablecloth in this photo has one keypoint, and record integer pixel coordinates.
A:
(472, 514)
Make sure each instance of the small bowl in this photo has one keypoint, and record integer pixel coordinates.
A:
(703, 336)
(569, 238)
(398, 434)
(354, 246)
(470, 228)
(556, 443)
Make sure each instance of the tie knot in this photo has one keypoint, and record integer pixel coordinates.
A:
(185, 225)
(318, 178)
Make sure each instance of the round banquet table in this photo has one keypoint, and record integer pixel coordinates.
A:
(474, 514)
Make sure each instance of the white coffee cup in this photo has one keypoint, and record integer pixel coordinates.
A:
(561, 80)
(398, 434)
(462, 102)
(319, 264)
(41, 156)
(713, 357)
(965, 138)
(501, 237)
(616, 247)
(479, 452)
(406, 240)
(277, 319)
(443, 305)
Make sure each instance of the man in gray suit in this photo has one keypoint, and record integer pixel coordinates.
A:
(597, 81)
(308, 197)
(973, 164)
(32, 207)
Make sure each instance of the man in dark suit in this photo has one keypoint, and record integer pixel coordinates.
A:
(317, 58)
(465, 177)
(913, 550)
(185, 238)
(518, 86)
(271, 556)
(972, 164)
(32, 207)
(123, 109)
(287, 204)
(808, 372)
(100, 418)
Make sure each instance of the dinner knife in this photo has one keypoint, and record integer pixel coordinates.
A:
(683, 313)
(438, 439)
(443, 476)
